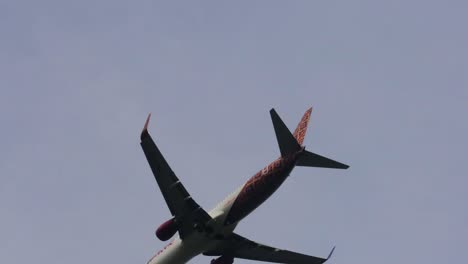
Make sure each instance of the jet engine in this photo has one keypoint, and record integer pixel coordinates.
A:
(166, 230)
(223, 260)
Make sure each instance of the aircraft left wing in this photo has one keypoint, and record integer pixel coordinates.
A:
(239, 247)
(187, 213)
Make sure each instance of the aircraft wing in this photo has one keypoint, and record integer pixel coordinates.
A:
(240, 247)
(187, 213)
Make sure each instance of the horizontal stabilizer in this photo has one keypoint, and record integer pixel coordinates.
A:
(286, 141)
(309, 159)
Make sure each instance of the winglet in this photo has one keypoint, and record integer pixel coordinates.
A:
(331, 253)
(145, 133)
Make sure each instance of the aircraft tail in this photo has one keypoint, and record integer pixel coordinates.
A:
(292, 143)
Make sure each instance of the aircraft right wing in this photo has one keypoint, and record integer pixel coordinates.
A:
(187, 213)
(239, 247)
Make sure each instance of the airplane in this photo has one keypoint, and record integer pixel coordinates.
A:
(212, 233)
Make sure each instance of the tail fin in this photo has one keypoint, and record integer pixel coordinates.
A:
(301, 128)
(292, 143)
(286, 141)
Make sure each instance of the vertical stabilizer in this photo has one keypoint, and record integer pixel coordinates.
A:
(301, 128)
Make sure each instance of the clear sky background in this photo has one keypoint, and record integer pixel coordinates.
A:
(387, 79)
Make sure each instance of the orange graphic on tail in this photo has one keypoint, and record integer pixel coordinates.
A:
(301, 128)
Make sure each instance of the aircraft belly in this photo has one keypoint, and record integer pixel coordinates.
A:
(261, 186)
(221, 211)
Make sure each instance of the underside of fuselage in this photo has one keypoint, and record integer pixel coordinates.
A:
(258, 188)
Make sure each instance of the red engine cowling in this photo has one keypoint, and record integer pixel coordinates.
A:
(166, 230)
(223, 260)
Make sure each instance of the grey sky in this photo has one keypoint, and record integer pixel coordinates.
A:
(387, 80)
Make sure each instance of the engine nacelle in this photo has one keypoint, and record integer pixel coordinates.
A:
(223, 260)
(166, 230)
